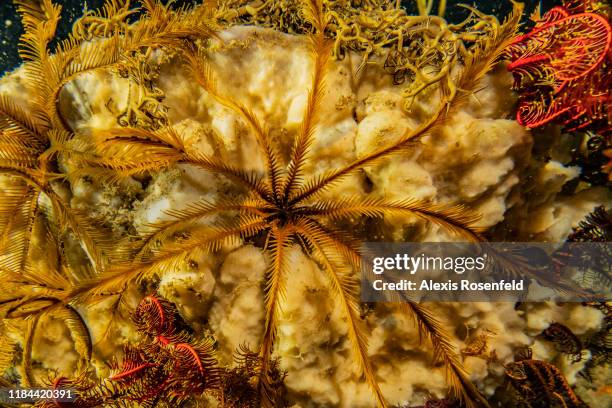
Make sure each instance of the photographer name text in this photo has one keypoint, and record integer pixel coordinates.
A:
(413, 264)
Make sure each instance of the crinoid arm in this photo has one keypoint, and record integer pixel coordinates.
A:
(201, 240)
(456, 219)
(30, 299)
(205, 78)
(321, 51)
(346, 287)
(279, 241)
(126, 152)
(444, 351)
(19, 209)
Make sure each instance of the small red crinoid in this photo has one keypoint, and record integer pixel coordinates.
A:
(560, 69)
(168, 363)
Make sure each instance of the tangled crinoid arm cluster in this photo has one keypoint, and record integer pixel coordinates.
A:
(420, 52)
(278, 207)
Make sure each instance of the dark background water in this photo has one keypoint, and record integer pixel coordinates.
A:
(10, 25)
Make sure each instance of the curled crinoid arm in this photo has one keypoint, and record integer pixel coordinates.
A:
(541, 384)
(195, 368)
(478, 346)
(80, 384)
(192, 360)
(565, 340)
(48, 73)
(540, 110)
(238, 388)
(561, 69)
(158, 318)
(105, 22)
(133, 367)
(599, 344)
(596, 227)
(575, 54)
